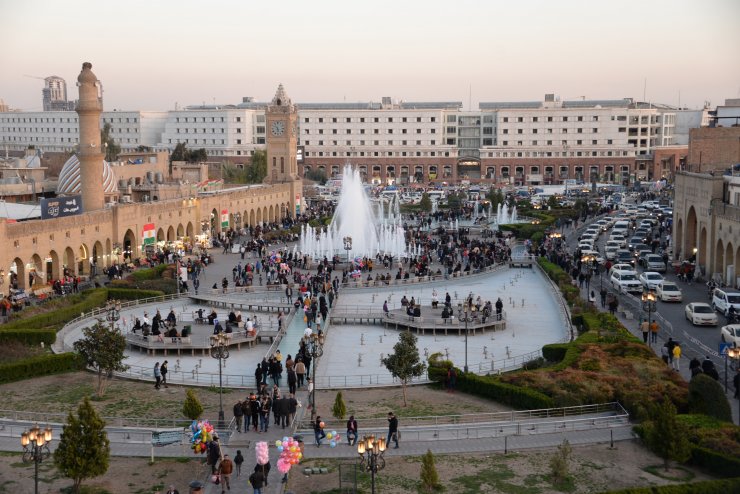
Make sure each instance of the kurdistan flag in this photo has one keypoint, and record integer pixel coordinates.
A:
(224, 218)
(148, 234)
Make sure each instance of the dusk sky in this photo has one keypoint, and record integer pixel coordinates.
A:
(152, 55)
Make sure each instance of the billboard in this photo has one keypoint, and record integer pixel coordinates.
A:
(59, 207)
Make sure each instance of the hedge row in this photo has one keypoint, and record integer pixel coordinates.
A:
(555, 352)
(717, 463)
(150, 273)
(508, 394)
(31, 337)
(41, 365)
(723, 486)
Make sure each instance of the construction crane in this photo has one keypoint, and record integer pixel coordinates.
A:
(34, 77)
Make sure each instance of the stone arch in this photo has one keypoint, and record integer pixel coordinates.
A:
(729, 261)
(283, 211)
(264, 214)
(719, 260)
(271, 214)
(245, 218)
(36, 267)
(108, 252)
(252, 218)
(180, 230)
(160, 235)
(130, 247)
(83, 264)
(98, 256)
(701, 249)
(259, 216)
(171, 234)
(215, 222)
(678, 243)
(69, 260)
(19, 268)
(691, 229)
(52, 268)
(189, 230)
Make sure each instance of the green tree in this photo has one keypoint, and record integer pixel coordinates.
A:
(180, 153)
(84, 449)
(560, 463)
(339, 410)
(496, 197)
(192, 408)
(707, 397)
(665, 436)
(404, 363)
(317, 175)
(102, 349)
(552, 202)
(429, 476)
(454, 200)
(425, 204)
(112, 150)
(257, 168)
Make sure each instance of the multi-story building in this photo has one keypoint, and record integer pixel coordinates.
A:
(54, 95)
(525, 143)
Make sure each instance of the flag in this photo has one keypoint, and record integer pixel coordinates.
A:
(148, 235)
(224, 218)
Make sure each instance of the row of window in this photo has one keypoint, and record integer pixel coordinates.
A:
(504, 170)
(376, 153)
(37, 120)
(579, 130)
(578, 142)
(564, 118)
(373, 143)
(368, 119)
(362, 131)
(204, 119)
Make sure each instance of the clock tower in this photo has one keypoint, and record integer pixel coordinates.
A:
(282, 139)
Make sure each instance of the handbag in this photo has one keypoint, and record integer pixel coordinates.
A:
(216, 479)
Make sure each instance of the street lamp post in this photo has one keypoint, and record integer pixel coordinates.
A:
(648, 303)
(347, 245)
(220, 351)
(371, 451)
(734, 354)
(113, 312)
(466, 314)
(35, 444)
(315, 347)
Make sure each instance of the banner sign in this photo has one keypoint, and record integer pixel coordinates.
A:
(224, 218)
(59, 207)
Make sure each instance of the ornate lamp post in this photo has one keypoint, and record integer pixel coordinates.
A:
(113, 312)
(35, 444)
(648, 303)
(466, 314)
(315, 347)
(371, 452)
(734, 354)
(220, 351)
(347, 245)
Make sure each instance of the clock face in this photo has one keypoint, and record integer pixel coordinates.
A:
(278, 128)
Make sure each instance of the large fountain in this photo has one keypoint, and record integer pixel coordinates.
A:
(354, 218)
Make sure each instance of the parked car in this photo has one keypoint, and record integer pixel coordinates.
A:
(650, 280)
(626, 282)
(722, 300)
(731, 334)
(669, 292)
(700, 314)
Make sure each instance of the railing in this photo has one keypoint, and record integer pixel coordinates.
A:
(562, 304)
(60, 418)
(423, 279)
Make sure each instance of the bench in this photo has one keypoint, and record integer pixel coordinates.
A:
(164, 438)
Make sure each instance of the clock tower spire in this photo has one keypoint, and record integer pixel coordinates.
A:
(282, 139)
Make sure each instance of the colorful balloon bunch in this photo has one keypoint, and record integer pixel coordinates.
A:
(290, 454)
(333, 437)
(202, 433)
(263, 453)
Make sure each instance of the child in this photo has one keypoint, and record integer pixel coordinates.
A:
(238, 460)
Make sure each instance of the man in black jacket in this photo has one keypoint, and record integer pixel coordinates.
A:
(238, 415)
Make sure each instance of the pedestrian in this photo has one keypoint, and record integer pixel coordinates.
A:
(654, 328)
(238, 415)
(451, 380)
(300, 371)
(172, 490)
(163, 370)
(695, 367)
(392, 429)
(214, 453)
(676, 356)
(645, 328)
(736, 383)
(157, 376)
(664, 353)
(225, 469)
(602, 294)
(238, 460)
(310, 393)
(257, 480)
(265, 471)
(351, 431)
(318, 430)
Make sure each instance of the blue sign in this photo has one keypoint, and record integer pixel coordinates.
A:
(723, 347)
(59, 207)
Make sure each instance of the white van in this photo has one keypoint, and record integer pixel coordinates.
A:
(621, 227)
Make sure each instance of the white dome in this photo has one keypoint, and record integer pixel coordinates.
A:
(70, 182)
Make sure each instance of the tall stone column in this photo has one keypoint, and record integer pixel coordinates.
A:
(91, 155)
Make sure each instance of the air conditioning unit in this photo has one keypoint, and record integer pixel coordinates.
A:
(126, 199)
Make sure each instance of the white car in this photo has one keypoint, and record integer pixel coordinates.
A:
(669, 292)
(731, 334)
(610, 252)
(586, 245)
(722, 300)
(618, 238)
(625, 281)
(594, 254)
(651, 280)
(621, 267)
(700, 314)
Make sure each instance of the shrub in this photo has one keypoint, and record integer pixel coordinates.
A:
(509, 394)
(149, 273)
(707, 397)
(192, 408)
(555, 352)
(705, 487)
(41, 365)
(339, 410)
(716, 463)
(429, 476)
